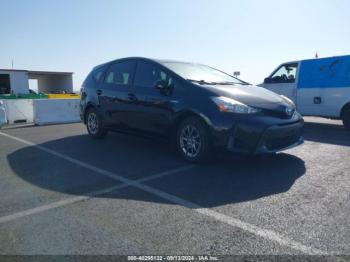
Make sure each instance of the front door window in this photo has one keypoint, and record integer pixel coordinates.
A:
(285, 74)
(147, 75)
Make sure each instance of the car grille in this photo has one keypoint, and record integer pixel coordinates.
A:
(278, 113)
(283, 142)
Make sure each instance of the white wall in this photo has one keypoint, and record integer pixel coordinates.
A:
(18, 81)
(40, 111)
(19, 110)
(54, 111)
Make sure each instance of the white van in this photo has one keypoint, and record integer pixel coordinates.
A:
(318, 87)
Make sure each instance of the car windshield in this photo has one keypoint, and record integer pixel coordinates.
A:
(202, 74)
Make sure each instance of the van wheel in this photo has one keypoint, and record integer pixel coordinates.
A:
(193, 140)
(94, 124)
(346, 118)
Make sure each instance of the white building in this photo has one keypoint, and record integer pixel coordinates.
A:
(17, 81)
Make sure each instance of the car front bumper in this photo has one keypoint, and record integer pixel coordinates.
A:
(259, 135)
(273, 139)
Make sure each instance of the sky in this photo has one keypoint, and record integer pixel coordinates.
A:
(250, 36)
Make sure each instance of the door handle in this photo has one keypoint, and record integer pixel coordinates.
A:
(99, 92)
(132, 97)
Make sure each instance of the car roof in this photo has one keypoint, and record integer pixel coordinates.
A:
(159, 61)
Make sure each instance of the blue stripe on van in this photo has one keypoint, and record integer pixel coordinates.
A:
(332, 72)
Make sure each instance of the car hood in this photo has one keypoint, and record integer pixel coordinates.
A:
(251, 95)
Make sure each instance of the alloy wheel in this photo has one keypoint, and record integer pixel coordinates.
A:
(92, 123)
(190, 141)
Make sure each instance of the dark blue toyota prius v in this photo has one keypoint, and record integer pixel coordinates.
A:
(199, 107)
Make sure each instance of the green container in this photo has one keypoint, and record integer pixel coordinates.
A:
(32, 96)
(8, 96)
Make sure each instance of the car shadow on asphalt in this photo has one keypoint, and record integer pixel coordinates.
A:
(230, 179)
(326, 133)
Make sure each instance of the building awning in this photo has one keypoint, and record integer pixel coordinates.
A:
(34, 72)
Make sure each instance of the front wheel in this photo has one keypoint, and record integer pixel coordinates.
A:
(346, 118)
(193, 140)
(94, 124)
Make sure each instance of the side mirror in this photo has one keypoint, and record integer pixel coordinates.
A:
(236, 73)
(161, 85)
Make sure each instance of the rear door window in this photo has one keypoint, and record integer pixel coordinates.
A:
(120, 73)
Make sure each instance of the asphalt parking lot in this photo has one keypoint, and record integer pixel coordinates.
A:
(64, 193)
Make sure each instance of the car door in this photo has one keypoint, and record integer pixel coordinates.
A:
(283, 81)
(114, 95)
(153, 107)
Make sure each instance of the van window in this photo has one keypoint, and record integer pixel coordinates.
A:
(285, 74)
(120, 73)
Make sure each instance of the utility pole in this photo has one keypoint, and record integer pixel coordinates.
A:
(12, 63)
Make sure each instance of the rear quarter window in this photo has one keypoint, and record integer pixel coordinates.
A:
(94, 76)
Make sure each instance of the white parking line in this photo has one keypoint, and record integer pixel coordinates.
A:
(72, 200)
(57, 204)
(253, 229)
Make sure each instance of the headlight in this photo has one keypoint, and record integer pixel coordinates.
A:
(226, 104)
(288, 100)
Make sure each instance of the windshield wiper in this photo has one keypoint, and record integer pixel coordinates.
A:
(226, 83)
(202, 82)
(233, 83)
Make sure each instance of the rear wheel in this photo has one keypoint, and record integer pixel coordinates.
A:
(346, 117)
(94, 124)
(193, 140)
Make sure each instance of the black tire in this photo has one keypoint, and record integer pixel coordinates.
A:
(346, 117)
(94, 124)
(197, 146)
